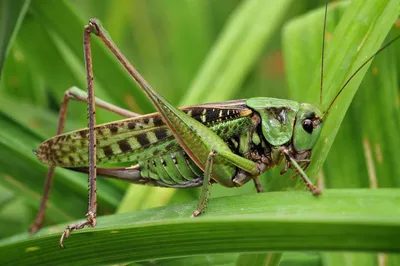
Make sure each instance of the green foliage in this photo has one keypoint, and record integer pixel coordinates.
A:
(291, 221)
(193, 52)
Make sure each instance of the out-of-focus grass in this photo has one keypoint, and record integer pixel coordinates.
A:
(183, 49)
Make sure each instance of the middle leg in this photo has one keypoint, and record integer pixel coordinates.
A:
(206, 183)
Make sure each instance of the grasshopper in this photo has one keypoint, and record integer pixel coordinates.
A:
(230, 143)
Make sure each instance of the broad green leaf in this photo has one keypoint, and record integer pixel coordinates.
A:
(353, 41)
(368, 26)
(350, 219)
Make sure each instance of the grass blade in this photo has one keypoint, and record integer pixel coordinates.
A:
(12, 13)
(360, 33)
(238, 48)
(350, 219)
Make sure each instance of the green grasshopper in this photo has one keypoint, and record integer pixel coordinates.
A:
(229, 143)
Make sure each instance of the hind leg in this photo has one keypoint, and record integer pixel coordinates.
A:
(77, 94)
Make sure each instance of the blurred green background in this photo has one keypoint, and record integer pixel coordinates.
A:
(191, 52)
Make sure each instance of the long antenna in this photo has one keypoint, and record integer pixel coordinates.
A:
(323, 55)
(358, 70)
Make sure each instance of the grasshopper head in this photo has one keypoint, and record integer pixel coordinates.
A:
(307, 127)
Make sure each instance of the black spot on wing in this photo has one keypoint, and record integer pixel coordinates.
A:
(158, 121)
(212, 115)
(161, 133)
(83, 134)
(143, 140)
(131, 125)
(113, 129)
(108, 152)
(124, 146)
(197, 112)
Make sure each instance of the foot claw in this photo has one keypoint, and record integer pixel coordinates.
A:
(195, 213)
(315, 190)
(65, 235)
(34, 227)
(91, 221)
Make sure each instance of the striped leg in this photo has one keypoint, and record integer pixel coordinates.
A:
(313, 188)
(241, 163)
(77, 94)
(91, 215)
(206, 183)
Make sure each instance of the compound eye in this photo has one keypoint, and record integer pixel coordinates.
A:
(308, 125)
